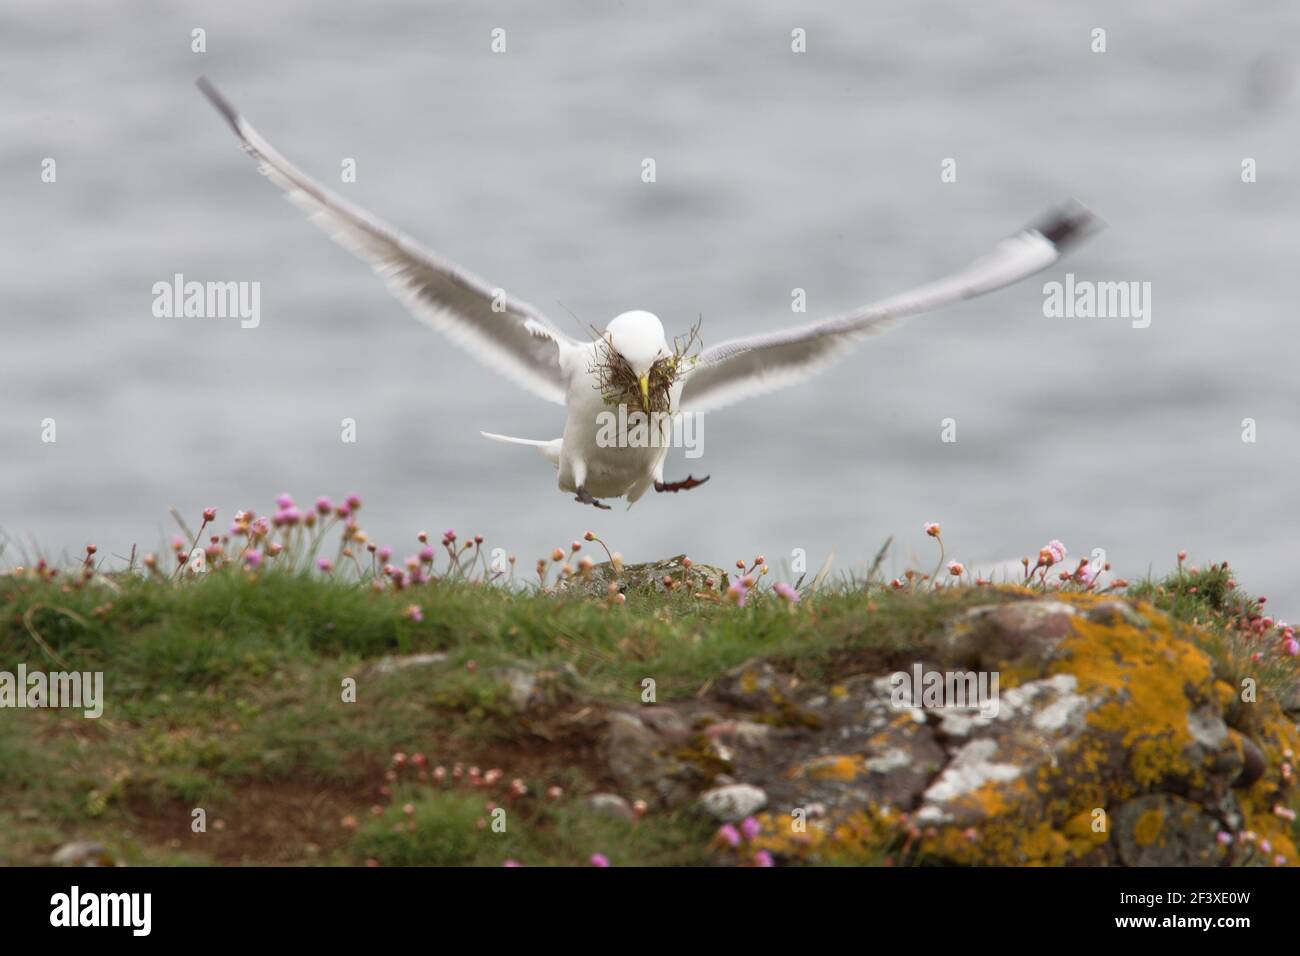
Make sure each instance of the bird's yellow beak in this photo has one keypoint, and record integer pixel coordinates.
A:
(645, 393)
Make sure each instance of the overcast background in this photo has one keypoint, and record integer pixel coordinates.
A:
(775, 171)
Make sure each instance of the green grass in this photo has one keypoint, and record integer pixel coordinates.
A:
(225, 692)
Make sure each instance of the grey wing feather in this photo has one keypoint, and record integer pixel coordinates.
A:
(504, 333)
(742, 368)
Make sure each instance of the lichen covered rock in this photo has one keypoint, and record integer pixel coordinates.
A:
(1113, 742)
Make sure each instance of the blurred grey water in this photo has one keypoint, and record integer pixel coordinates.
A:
(775, 171)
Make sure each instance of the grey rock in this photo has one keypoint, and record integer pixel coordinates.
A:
(1027, 632)
(665, 722)
(733, 802)
(609, 805)
(81, 853)
(394, 663)
(645, 577)
(1164, 830)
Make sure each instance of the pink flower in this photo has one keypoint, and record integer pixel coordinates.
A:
(324, 506)
(415, 612)
(1291, 646)
(353, 501)
(729, 835)
(763, 858)
(750, 828)
(599, 859)
(253, 558)
(325, 564)
(284, 501)
(955, 569)
(737, 593)
(786, 592)
(932, 528)
(1055, 552)
(209, 514)
(512, 863)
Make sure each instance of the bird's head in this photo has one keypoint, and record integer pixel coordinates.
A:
(638, 337)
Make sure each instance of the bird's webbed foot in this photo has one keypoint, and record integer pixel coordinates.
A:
(687, 485)
(584, 496)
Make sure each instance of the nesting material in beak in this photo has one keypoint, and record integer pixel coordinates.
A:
(645, 392)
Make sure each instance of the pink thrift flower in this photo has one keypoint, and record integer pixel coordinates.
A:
(932, 528)
(750, 828)
(1224, 838)
(763, 858)
(324, 506)
(955, 569)
(284, 501)
(511, 863)
(325, 564)
(729, 835)
(599, 859)
(253, 558)
(353, 501)
(786, 592)
(415, 612)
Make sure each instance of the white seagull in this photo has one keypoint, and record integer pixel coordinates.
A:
(518, 341)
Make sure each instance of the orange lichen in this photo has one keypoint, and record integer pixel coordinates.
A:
(1145, 676)
(1147, 829)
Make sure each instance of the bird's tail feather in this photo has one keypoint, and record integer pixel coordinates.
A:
(550, 449)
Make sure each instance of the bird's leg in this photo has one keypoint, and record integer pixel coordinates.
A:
(585, 497)
(687, 485)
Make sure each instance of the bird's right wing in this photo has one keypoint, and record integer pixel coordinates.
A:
(741, 368)
(504, 333)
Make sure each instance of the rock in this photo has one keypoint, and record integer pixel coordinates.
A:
(531, 689)
(755, 685)
(1291, 701)
(665, 722)
(734, 802)
(1026, 632)
(81, 853)
(742, 734)
(1116, 612)
(995, 758)
(1254, 763)
(645, 577)
(609, 805)
(521, 686)
(394, 663)
(1165, 830)
(630, 750)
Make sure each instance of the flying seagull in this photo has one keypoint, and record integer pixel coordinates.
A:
(631, 364)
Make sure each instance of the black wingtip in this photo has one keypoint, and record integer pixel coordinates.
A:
(1068, 225)
(217, 100)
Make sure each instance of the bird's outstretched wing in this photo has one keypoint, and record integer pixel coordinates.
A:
(504, 333)
(741, 368)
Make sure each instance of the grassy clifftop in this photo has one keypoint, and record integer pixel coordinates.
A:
(264, 713)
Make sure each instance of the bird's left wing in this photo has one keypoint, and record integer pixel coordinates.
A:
(504, 333)
(741, 368)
